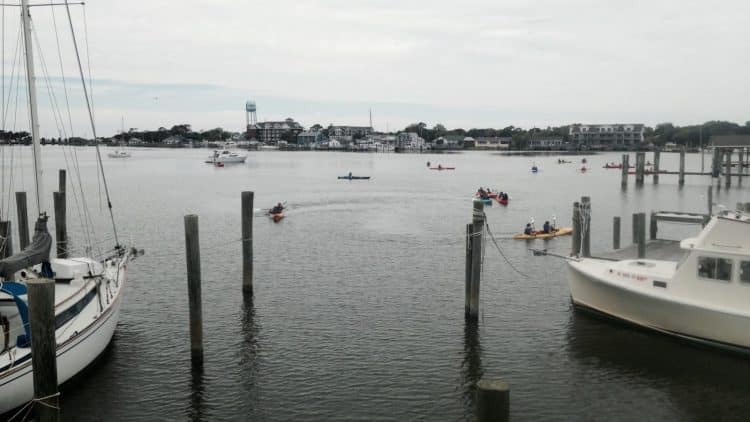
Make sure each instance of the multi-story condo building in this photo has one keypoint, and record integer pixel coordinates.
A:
(614, 136)
(271, 132)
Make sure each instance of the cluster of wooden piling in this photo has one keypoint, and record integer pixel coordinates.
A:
(581, 239)
(474, 232)
(716, 167)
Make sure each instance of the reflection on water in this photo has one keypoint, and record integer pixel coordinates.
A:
(471, 366)
(196, 412)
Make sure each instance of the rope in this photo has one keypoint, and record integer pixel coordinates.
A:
(30, 405)
(502, 254)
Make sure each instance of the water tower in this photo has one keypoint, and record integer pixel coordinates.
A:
(250, 116)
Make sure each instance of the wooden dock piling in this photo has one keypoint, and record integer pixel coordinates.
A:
(657, 160)
(41, 296)
(728, 169)
(710, 200)
(576, 238)
(61, 229)
(586, 229)
(653, 226)
(741, 164)
(247, 242)
(193, 261)
(476, 256)
(23, 220)
(634, 227)
(681, 177)
(492, 401)
(616, 233)
(61, 180)
(6, 239)
(641, 229)
(625, 168)
(467, 302)
(640, 167)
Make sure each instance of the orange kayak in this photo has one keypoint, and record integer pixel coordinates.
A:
(276, 217)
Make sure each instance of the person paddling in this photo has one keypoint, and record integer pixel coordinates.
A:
(277, 209)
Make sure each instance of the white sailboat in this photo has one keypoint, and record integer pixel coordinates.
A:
(88, 291)
(705, 297)
(120, 153)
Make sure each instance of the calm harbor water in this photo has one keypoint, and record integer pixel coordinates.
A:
(358, 307)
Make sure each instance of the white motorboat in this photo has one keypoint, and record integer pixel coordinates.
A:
(226, 156)
(88, 291)
(705, 297)
(119, 154)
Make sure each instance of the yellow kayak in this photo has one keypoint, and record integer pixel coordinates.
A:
(562, 231)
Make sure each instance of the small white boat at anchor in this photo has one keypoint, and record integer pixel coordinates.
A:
(119, 154)
(705, 297)
(226, 156)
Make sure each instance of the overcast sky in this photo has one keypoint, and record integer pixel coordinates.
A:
(464, 64)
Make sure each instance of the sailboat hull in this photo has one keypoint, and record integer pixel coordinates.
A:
(78, 346)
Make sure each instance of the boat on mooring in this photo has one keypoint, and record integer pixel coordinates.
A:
(88, 291)
(704, 297)
(119, 154)
(226, 156)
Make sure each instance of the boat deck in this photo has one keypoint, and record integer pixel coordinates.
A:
(668, 250)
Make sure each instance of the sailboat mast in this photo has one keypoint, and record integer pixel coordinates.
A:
(33, 111)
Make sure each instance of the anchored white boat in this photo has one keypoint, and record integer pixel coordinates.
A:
(705, 297)
(119, 154)
(226, 156)
(88, 291)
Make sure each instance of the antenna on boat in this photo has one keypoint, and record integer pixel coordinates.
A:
(33, 109)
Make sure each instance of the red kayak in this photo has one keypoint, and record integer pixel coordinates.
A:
(442, 168)
(502, 201)
(277, 216)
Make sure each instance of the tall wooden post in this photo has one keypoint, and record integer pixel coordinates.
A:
(710, 200)
(586, 229)
(576, 238)
(616, 233)
(476, 257)
(641, 223)
(6, 239)
(41, 294)
(640, 168)
(247, 242)
(625, 169)
(728, 169)
(715, 162)
(657, 159)
(681, 177)
(653, 226)
(61, 180)
(193, 261)
(635, 228)
(492, 401)
(61, 229)
(740, 166)
(467, 282)
(23, 220)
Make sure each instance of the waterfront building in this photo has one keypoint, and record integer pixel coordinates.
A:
(494, 142)
(607, 136)
(310, 137)
(409, 140)
(453, 142)
(546, 144)
(349, 131)
(272, 132)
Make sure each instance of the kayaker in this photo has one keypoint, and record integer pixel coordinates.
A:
(277, 209)
(481, 192)
(428, 164)
(546, 228)
(350, 175)
(440, 166)
(528, 230)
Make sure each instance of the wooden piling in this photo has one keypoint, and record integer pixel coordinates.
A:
(681, 177)
(641, 228)
(193, 261)
(247, 242)
(715, 162)
(657, 159)
(61, 180)
(6, 239)
(710, 200)
(492, 401)
(634, 227)
(467, 302)
(640, 168)
(625, 168)
(41, 296)
(23, 220)
(586, 229)
(61, 229)
(616, 233)
(476, 257)
(741, 164)
(653, 226)
(728, 169)
(576, 238)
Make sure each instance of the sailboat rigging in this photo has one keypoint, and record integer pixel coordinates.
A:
(88, 291)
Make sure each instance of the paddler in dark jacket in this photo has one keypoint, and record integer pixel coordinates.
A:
(528, 230)
(277, 209)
